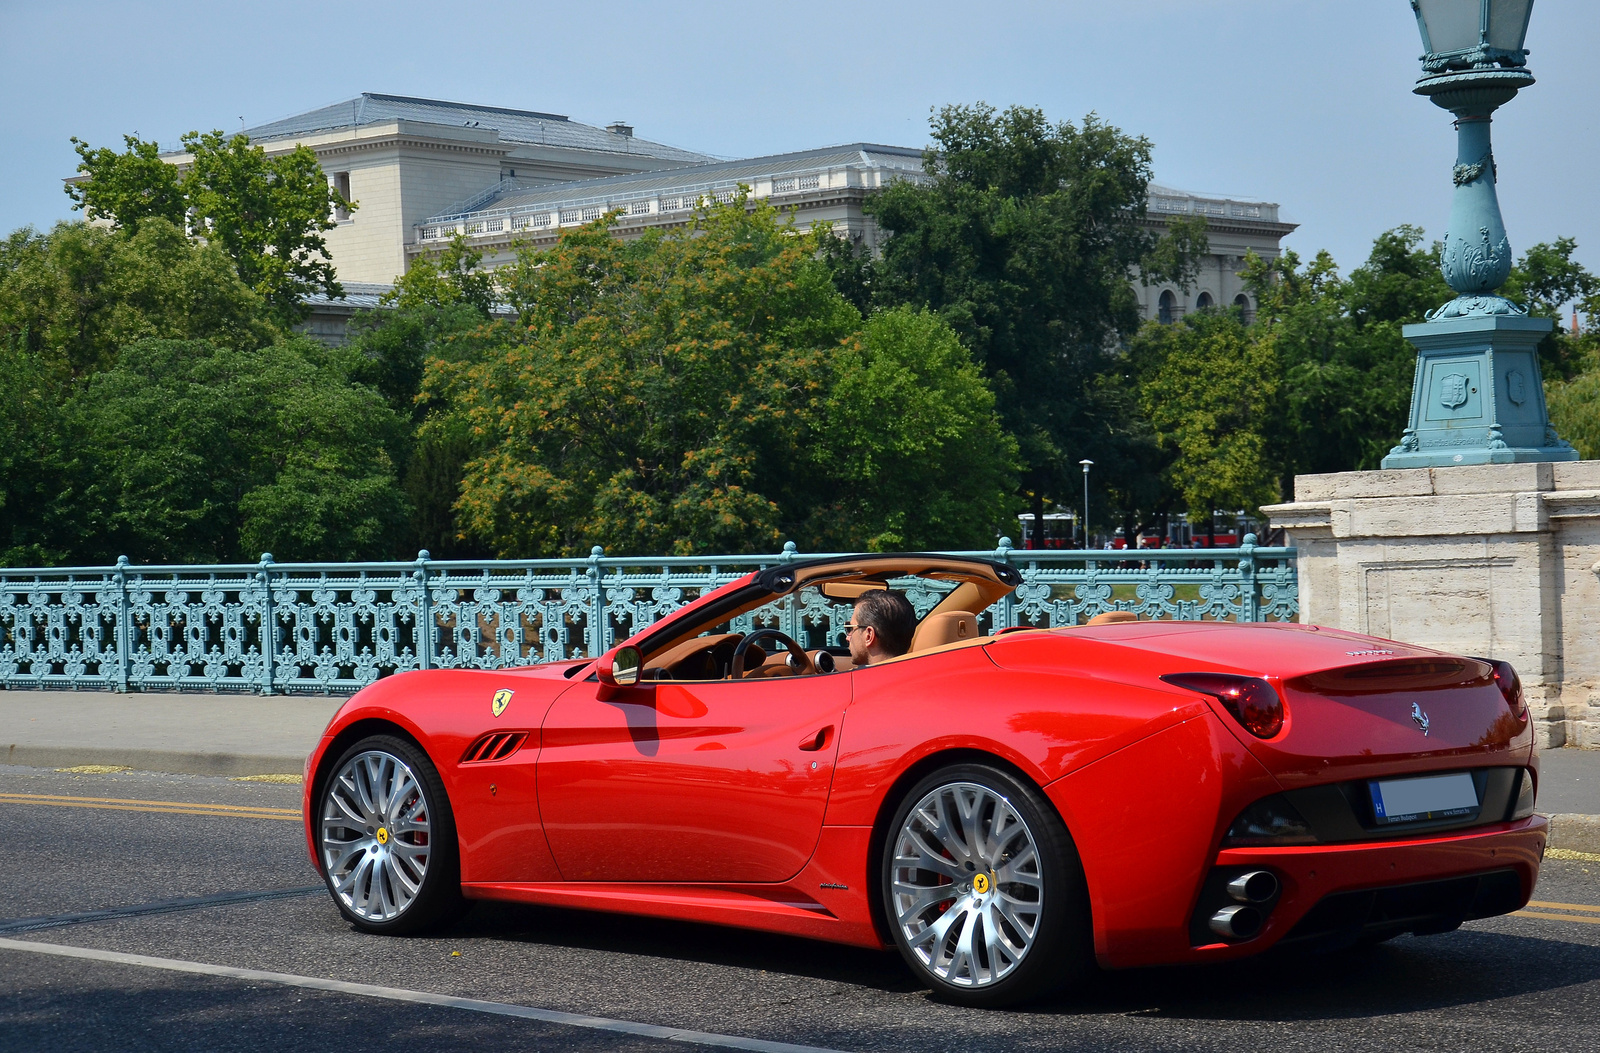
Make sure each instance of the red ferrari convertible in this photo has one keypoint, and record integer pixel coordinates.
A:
(1008, 811)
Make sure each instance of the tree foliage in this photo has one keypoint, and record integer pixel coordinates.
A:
(452, 278)
(267, 213)
(77, 294)
(1211, 393)
(909, 452)
(186, 451)
(1024, 241)
(1347, 367)
(700, 391)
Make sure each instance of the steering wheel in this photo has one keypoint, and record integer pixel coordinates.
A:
(796, 652)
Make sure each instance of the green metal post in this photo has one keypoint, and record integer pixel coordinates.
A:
(124, 648)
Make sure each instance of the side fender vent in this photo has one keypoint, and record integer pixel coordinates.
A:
(497, 745)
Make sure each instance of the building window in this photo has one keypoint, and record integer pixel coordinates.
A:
(1247, 312)
(341, 186)
(1204, 302)
(1167, 308)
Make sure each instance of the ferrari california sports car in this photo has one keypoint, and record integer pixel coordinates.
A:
(1009, 811)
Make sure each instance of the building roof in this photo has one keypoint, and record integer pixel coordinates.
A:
(517, 126)
(895, 160)
(1167, 201)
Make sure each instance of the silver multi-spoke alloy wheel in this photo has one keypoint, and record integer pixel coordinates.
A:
(966, 884)
(376, 835)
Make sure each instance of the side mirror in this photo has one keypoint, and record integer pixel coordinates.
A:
(625, 666)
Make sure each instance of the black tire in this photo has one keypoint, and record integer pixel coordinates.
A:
(347, 841)
(1052, 895)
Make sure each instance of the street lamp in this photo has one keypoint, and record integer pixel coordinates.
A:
(1477, 397)
(1087, 464)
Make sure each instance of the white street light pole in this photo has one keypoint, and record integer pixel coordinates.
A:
(1087, 464)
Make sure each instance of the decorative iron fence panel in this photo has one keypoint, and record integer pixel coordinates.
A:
(334, 627)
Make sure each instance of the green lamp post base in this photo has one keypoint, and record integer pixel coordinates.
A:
(1477, 397)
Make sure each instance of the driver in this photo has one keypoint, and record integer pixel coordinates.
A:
(880, 627)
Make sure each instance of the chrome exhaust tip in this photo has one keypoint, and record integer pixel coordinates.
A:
(1237, 922)
(1255, 886)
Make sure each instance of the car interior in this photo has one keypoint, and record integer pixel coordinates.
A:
(714, 650)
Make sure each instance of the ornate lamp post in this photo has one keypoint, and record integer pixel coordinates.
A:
(1477, 396)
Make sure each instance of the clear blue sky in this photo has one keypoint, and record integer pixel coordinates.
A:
(1303, 102)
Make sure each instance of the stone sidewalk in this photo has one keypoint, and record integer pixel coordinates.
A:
(196, 734)
(253, 735)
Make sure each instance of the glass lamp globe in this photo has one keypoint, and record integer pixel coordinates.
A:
(1452, 27)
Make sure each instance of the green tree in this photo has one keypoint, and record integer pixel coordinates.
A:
(651, 387)
(1023, 240)
(708, 390)
(77, 294)
(1574, 401)
(908, 447)
(388, 351)
(1346, 367)
(31, 395)
(186, 451)
(267, 213)
(129, 187)
(1210, 390)
(452, 278)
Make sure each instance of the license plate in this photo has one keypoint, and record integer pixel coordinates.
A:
(1421, 799)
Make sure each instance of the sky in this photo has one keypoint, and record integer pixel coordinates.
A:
(1306, 103)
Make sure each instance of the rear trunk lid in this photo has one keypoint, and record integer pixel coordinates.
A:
(1355, 706)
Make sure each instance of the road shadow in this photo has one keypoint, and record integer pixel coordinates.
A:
(1407, 975)
(710, 944)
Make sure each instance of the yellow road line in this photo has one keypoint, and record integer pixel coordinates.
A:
(1572, 856)
(1557, 917)
(116, 804)
(1563, 906)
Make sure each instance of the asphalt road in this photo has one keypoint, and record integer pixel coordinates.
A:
(1521, 982)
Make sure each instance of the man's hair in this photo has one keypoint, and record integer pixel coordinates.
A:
(891, 617)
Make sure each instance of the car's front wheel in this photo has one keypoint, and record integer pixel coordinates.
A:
(984, 890)
(387, 839)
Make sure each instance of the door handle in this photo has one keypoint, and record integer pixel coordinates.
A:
(817, 741)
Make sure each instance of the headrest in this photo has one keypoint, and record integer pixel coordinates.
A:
(946, 627)
(1112, 617)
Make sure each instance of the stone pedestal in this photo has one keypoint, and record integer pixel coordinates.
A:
(1493, 560)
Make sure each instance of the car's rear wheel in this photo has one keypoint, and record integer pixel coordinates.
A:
(983, 888)
(386, 838)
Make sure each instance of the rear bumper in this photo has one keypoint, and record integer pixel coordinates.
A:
(1333, 895)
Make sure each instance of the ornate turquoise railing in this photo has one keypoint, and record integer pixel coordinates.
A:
(333, 627)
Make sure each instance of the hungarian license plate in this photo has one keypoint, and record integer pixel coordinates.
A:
(1424, 798)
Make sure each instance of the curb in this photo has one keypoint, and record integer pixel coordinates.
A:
(1575, 833)
(154, 760)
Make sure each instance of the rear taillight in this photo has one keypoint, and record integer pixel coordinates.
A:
(1250, 699)
(1510, 686)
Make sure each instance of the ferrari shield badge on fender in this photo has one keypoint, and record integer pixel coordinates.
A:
(502, 699)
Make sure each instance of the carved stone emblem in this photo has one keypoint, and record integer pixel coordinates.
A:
(1453, 390)
(1516, 387)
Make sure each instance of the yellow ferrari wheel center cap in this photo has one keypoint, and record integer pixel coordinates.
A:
(980, 884)
(383, 836)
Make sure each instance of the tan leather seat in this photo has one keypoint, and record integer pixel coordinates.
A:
(1112, 617)
(947, 627)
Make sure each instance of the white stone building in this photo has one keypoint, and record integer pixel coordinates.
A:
(422, 171)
